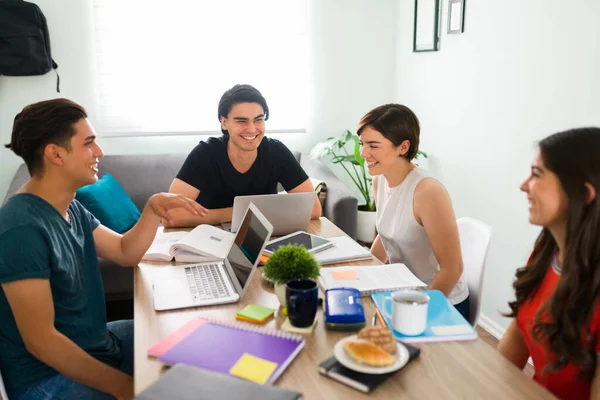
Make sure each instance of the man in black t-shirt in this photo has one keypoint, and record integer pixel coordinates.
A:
(241, 162)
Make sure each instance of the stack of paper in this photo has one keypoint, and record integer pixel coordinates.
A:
(370, 278)
(344, 249)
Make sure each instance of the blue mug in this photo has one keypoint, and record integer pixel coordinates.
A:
(302, 296)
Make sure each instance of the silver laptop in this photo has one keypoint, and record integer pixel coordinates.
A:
(288, 212)
(220, 282)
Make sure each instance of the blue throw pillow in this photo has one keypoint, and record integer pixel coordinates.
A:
(109, 202)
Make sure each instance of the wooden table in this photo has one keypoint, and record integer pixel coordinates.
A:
(466, 370)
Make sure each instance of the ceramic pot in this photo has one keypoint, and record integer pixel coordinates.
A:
(365, 226)
(280, 292)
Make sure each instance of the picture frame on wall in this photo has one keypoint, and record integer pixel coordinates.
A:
(427, 26)
(456, 16)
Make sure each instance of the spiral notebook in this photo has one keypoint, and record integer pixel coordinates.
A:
(251, 353)
(370, 278)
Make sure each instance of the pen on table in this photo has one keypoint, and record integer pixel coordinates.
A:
(380, 318)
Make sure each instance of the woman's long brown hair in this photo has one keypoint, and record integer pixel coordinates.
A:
(563, 322)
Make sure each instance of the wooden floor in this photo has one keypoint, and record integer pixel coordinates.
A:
(492, 341)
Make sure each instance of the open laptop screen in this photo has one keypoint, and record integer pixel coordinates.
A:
(248, 243)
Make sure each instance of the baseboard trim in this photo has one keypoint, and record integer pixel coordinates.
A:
(491, 327)
(494, 329)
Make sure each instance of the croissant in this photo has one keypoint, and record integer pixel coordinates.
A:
(366, 352)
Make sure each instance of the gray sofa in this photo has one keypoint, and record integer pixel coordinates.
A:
(143, 175)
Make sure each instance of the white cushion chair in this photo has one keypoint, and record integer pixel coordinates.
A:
(3, 395)
(474, 242)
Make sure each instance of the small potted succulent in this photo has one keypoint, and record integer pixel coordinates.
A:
(289, 262)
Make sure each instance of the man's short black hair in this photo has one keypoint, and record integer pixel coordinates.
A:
(240, 94)
(40, 124)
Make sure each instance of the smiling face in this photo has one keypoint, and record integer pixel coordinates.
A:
(246, 126)
(380, 153)
(80, 163)
(548, 202)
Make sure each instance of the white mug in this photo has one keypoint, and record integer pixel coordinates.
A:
(409, 311)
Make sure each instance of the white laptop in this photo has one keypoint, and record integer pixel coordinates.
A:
(287, 213)
(219, 282)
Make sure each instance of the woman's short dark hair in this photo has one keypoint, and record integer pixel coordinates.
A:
(396, 123)
(240, 94)
(40, 124)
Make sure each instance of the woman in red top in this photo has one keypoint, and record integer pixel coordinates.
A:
(556, 308)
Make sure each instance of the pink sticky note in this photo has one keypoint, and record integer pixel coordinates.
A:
(345, 275)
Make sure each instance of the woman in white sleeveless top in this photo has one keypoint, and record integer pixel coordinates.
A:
(415, 221)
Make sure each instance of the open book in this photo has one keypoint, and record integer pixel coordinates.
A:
(370, 278)
(203, 243)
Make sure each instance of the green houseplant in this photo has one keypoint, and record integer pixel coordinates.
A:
(345, 151)
(350, 161)
(289, 262)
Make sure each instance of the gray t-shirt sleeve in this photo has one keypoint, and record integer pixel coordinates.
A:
(24, 254)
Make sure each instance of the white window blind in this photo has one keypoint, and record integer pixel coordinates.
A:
(163, 66)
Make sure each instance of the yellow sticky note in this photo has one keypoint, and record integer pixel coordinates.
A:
(253, 368)
(345, 275)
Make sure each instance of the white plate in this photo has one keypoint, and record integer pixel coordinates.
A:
(344, 359)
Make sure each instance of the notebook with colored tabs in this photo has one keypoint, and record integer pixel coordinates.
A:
(250, 353)
(255, 314)
(444, 322)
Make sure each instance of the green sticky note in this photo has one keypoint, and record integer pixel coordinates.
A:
(256, 312)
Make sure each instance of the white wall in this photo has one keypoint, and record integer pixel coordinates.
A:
(70, 40)
(521, 71)
(347, 81)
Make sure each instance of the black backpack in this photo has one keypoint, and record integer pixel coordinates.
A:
(24, 40)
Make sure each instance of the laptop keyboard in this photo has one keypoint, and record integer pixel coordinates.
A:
(206, 282)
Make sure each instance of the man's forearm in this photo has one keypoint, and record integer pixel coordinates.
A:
(62, 354)
(138, 239)
(184, 219)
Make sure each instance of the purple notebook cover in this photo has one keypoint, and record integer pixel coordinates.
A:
(218, 347)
